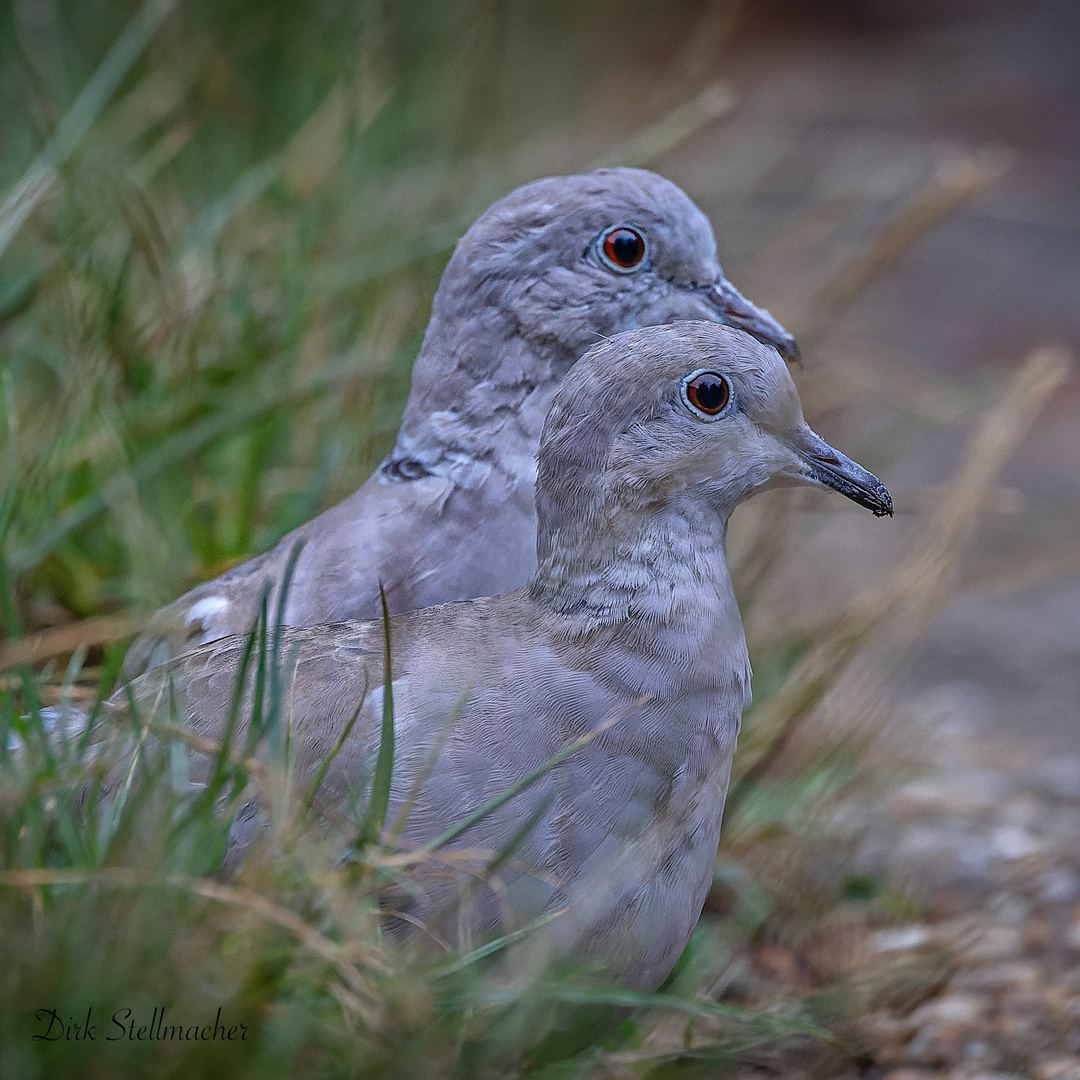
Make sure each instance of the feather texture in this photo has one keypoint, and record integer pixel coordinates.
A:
(628, 636)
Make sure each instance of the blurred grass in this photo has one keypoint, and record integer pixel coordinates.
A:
(207, 319)
(220, 240)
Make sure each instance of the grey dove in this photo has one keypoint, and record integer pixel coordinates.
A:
(544, 274)
(628, 633)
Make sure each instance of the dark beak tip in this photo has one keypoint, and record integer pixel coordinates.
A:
(832, 469)
(884, 507)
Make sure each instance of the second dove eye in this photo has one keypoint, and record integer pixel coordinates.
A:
(623, 248)
(707, 392)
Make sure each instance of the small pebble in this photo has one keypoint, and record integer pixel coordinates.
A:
(1058, 1068)
(1059, 887)
(1014, 842)
(954, 791)
(950, 1009)
(998, 977)
(900, 937)
(995, 942)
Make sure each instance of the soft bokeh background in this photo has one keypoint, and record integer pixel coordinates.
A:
(222, 227)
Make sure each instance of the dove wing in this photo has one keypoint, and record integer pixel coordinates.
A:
(427, 540)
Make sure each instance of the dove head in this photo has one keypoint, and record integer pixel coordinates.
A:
(653, 439)
(578, 258)
(551, 269)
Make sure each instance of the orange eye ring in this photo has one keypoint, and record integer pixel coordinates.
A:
(707, 392)
(623, 248)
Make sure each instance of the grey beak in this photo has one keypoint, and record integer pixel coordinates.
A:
(828, 467)
(737, 311)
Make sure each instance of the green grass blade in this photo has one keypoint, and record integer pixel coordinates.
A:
(233, 414)
(275, 708)
(491, 948)
(424, 774)
(527, 826)
(87, 107)
(221, 773)
(248, 187)
(379, 802)
(258, 693)
(515, 789)
(569, 993)
(324, 765)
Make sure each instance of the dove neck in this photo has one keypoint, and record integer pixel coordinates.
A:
(610, 553)
(479, 383)
(652, 579)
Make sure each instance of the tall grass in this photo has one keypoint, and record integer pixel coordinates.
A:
(111, 898)
(219, 262)
(222, 229)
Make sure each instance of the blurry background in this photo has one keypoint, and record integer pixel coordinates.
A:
(222, 227)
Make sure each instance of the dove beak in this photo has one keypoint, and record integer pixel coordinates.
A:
(737, 311)
(820, 464)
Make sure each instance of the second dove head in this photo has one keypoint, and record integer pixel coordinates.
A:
(694, 416)
(545, 273)
(598, 253)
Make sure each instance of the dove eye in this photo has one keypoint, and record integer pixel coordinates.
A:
(707, 393)
(622, 248)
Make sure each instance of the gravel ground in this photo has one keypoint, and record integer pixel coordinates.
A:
(982, 980)
(990, 839)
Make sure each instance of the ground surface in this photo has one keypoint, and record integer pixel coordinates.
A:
(841, 117)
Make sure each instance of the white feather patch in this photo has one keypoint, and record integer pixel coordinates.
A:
(206, 608)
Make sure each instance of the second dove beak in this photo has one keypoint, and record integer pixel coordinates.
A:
(740, 313)
(828, 467)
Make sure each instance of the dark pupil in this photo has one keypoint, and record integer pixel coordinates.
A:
(626, 247)
(711, 395)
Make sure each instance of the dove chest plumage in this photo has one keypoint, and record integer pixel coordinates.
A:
(639, 891)
(625, 832)
(627, 828)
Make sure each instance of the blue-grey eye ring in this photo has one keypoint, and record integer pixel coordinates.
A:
(622, 248)
(708, 393)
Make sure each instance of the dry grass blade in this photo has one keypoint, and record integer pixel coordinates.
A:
(713, 103)
(209, 747)
(1000, 578)
(950, 189)
(62, 640)
(262, 774)
(332, 952)
(761, 550)
(922, 585)
(247, 408)
(998, 436)
(22, 200)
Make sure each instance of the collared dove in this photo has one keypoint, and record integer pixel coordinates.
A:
(545, 273)
(628, 632)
